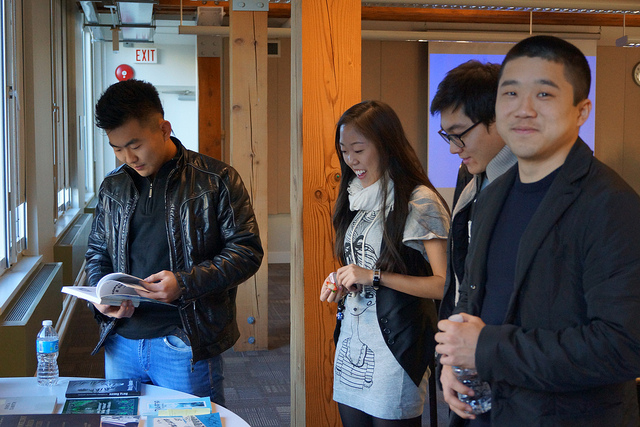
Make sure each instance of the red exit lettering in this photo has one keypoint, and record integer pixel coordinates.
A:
(148, 56)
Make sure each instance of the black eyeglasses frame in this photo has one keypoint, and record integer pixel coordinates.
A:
(456, 138)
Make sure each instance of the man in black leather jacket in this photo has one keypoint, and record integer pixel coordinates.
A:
(184, 223)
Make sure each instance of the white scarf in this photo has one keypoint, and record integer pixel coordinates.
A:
(369, 198)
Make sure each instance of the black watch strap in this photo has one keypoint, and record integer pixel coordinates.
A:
(376, 277)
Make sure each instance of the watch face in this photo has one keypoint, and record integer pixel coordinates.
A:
(636, 74)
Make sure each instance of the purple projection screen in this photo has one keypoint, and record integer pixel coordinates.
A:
(443, 166)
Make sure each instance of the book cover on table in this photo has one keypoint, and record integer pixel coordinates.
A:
(27, 405)
(112, 289)
(50, 420)
(103, 388)
(120, 420)
(176, 407)
(103, 406)
(204, 420)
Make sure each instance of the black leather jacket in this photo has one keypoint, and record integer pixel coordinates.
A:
(214, 241)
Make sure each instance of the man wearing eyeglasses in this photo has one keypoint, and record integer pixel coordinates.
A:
(465, 100)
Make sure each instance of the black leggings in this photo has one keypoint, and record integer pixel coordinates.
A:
(355, 418)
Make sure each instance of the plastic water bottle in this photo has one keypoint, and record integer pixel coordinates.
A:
(47, 350)
(480, 402)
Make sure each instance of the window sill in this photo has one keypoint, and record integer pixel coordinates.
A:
(64, 221)
(12, 280)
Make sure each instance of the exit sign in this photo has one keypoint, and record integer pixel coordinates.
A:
(146, 56)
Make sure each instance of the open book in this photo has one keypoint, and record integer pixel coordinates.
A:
(112, 289)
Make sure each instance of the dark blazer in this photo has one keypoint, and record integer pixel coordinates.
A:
(568, 352)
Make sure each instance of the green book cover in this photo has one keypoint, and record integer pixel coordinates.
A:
(106, 406)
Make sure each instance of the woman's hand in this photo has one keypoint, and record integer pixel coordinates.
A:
(354, 278)
(331, 291)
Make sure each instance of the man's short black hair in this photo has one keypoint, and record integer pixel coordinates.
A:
(126, 100)
(576, 67)
(472, 86)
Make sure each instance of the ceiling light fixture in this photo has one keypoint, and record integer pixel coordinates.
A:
(89, 10)
(135, 12)
(625, 41)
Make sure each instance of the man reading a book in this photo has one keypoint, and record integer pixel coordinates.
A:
(184, 223)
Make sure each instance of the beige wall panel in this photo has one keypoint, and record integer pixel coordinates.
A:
(371, 60)
(617, 118)
(610, 92)
(404, 86)
(396, 72)
(284, 126)
(279, 122)
(631, 149)
(273, 112)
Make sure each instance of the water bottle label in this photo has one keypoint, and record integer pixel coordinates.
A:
(47, 346)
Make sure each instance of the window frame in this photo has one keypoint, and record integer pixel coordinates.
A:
(13, 221)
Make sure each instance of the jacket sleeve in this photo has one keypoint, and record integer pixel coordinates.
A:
(240, 253)
(593, 334)
(98, 260)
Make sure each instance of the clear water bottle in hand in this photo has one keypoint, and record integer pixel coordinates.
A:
(47, 351)
(480, 402)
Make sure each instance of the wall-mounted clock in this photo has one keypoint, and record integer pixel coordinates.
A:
(636, 73)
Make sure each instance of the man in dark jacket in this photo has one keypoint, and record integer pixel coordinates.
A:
(550, 297)
(182, 222)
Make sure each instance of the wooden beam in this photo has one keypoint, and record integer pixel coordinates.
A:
(425, 14)
(172, 7)
(326, 44)
(209, 107)
(248, 121)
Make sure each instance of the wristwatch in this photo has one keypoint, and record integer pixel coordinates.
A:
(376, 277)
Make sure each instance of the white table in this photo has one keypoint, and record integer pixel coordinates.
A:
(28, 386)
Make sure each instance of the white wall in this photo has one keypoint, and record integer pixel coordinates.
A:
(175, 70)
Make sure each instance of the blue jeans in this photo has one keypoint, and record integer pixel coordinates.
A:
(165, 362)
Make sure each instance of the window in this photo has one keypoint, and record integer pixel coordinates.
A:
(61, 160)
(12, 180)
(86, 125)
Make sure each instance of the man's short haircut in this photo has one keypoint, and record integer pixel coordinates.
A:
(126, 100)
(472, 86)
(576, 67)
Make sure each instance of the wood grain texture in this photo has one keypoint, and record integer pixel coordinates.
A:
(331, 83)
(209, 107)
(298, 329)
(248, 120)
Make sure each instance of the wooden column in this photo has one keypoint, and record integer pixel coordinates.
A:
(209, 107)
(248, 142)
(326, 80)
(209, 49)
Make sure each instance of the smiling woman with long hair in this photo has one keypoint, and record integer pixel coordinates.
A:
(391, 227)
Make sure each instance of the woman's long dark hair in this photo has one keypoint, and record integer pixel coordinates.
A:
(380, 125)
